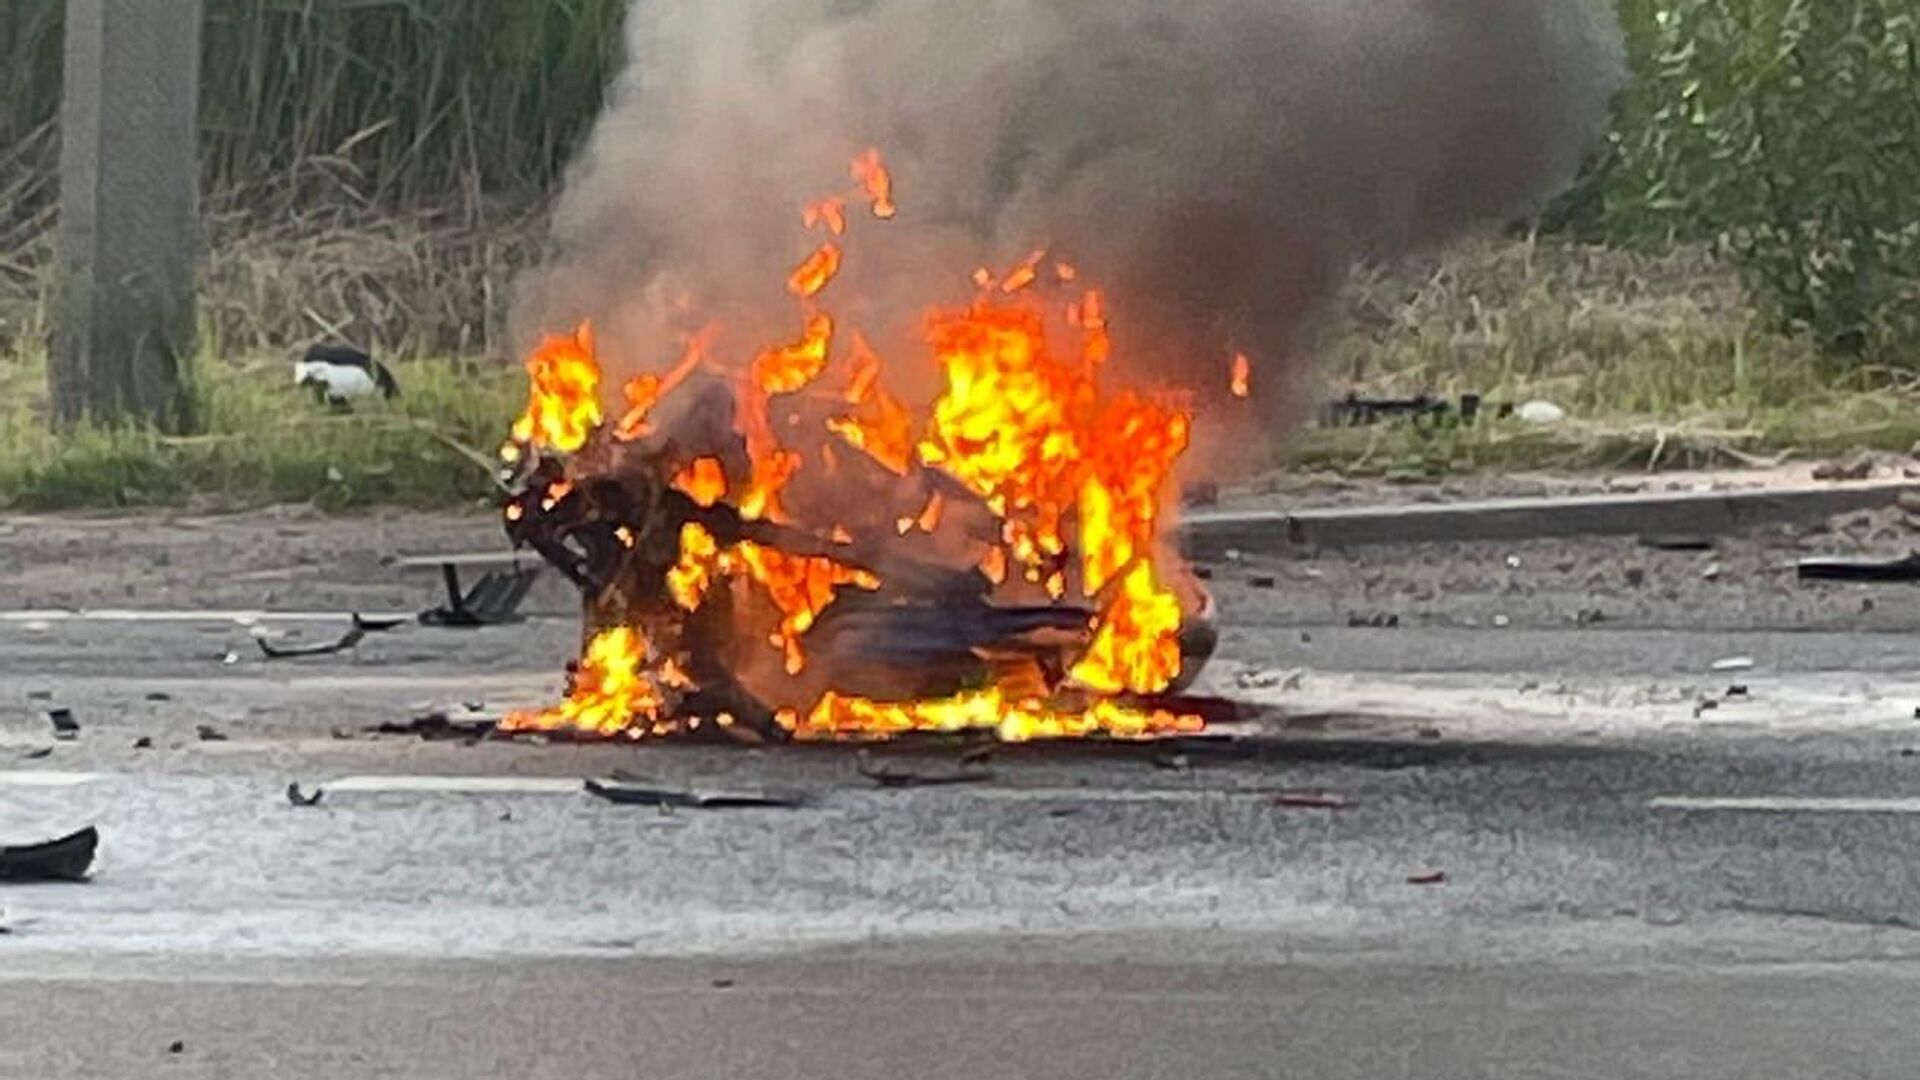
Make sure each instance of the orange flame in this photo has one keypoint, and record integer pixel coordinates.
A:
(704, 480)
(874, 178)
(1076, 477)
(611, 693)
(563, 402)
(785, 369)
(830, 212)
(879, 424)
(816, 271)
(1241, 379)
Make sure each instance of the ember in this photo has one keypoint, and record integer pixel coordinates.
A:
(811, 555)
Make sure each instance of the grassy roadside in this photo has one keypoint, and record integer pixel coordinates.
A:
(1659, 362)
(266, 442)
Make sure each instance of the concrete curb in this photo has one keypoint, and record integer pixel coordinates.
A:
(1211, 534)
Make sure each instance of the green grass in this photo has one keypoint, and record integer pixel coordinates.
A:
(1660, 362)
(266, 442)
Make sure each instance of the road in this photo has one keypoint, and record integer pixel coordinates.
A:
(1623, 881)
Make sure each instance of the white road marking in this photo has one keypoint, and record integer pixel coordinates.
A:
(1782, 804)
(457, 785)
(46, 779)
(236, 616)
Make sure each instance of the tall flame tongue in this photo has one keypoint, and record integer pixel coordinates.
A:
(1073, 477)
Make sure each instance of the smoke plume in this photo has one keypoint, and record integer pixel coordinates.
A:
(1216, 165)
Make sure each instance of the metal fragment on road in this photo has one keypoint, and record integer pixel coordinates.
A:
(67, 858)
(628, 793)
(1734, 663)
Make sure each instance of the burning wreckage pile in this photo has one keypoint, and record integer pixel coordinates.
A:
(781, 545)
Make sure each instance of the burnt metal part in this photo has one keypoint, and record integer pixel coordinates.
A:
(607, 519)
(1682, 542)
(1357, 411)
(63, 722)
(1905, 568)
(887, 777)
(492, 601)
(629, 793)
(68, 858)
(436, 727)
(346, 641)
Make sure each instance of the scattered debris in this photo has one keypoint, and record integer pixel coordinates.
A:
(1502, 622)
(209, 733)
(1636, 576)
(1737, 690)
(230, 658)
(64, 725)
(1905, 568)
(1734, 663)
(1263, 581)
(723, 984)
(1704, 705)
(144, 742)
(1857, 468)
(1431, 877)
(980, 755)
(1711, 572)
(177, 1046)
(632, 794)
(1540, 412)
(66, 859)
(1589, 617)
(159, 695)
(1381, 621)
(38, 753)
(1513, 562)
(492, 601)
(296, 797)
(376, 626)
(1311, 800)
(39, 695)
(346, 641)
(1172, 762)
(1356, 411)
(1680, 542)
(437, 727)
(341, 734)
(887, 777)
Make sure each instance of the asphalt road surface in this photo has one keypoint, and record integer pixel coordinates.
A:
(1678, 841)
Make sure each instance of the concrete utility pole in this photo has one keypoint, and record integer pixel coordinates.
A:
(128, 246)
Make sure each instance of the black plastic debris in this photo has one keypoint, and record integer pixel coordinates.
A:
(1677, 542)
(144, 742)
(492, 601)
(64, 725)
(38, 753)
(296, 797)
(1905, 568)
(346, 641)
(437, 727)
(376, 626)
(630, 793)
(159, 695)
(889, 777)
(209, 733)
(67, 859)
